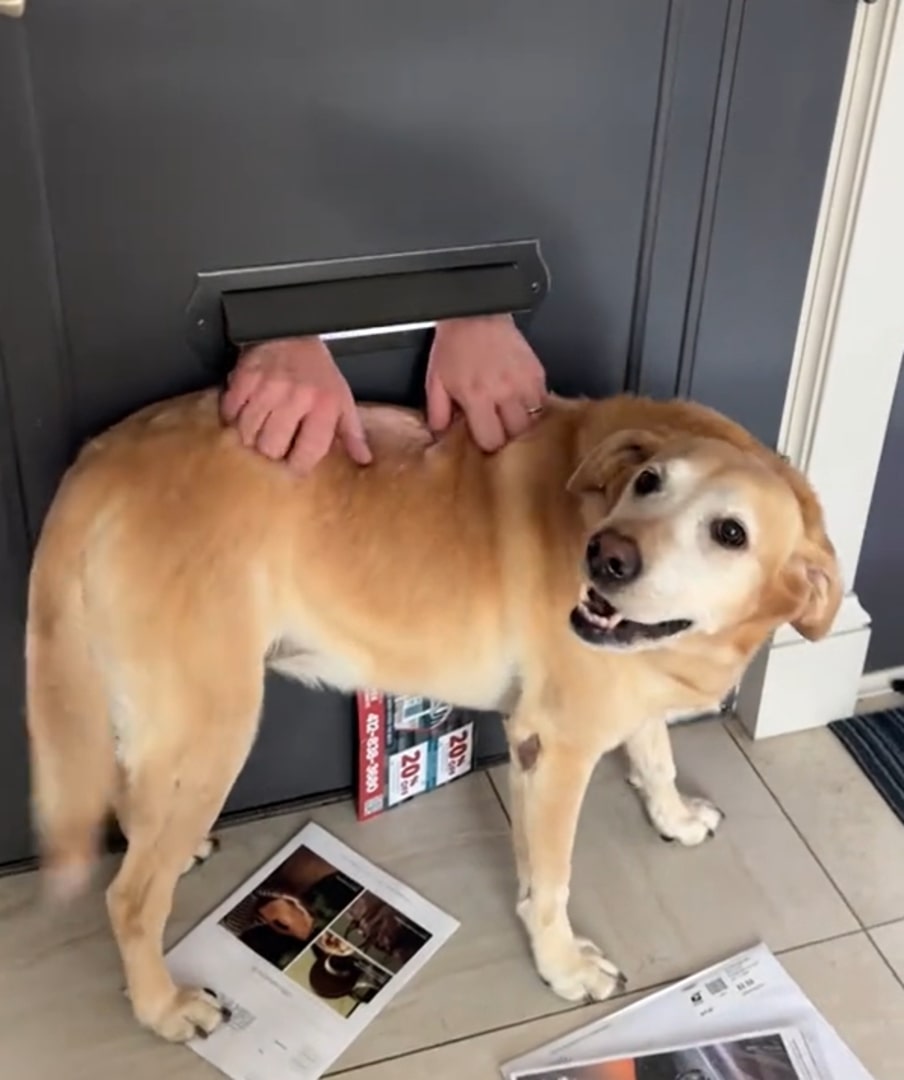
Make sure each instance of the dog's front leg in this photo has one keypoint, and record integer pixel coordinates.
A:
(548, 782)
(674, 816)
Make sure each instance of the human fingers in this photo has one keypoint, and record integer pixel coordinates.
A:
(439, 405)
(267, 395)
(314, 439)
(351, 431)
(242, 384)
(515, 416)
(484, 423)
(279, 428)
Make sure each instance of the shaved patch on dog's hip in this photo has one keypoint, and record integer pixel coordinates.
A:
(528, 750)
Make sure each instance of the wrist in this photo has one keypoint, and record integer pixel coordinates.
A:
(470, 323)
(295, 342)
(298, 353)
(281, 343)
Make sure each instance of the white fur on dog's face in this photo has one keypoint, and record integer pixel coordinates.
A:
(675, 508)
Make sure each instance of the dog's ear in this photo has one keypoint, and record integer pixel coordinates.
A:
(813, 575)
(814, 579)
(605, 468)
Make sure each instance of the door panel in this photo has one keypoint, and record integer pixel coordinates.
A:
(34, 433)
(771, 139)
(31, 330)
(15, 838)
(286, 131)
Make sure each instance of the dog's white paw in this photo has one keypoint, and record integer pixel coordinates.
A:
(208, 846)
(689, 821)
(578, 971)
(190, 1012)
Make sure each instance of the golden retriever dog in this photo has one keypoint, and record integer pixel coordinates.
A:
(614, 568)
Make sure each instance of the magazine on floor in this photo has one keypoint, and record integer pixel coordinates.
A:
(750, 991)
(767, 1055)
(305, 954)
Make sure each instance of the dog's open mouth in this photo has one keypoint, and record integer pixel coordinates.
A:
(599, 623)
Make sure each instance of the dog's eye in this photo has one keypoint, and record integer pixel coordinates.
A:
(728, 533)
(647, 483)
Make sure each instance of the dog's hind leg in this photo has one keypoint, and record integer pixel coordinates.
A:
(188, 751)
(652, 772)
(208, 846)
(70, 739)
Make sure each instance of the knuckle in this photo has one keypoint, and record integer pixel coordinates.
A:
(285, 381)
(300, 393)
(324, 397)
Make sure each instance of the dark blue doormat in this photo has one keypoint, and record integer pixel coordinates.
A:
(876, 743)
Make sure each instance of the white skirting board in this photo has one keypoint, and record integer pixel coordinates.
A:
(877, 684)
(795, 685)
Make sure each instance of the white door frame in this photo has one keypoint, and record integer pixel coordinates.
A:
(840, 391)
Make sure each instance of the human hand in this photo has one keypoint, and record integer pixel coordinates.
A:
(486, 367)
(288, 400)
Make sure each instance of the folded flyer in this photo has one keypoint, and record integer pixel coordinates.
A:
(305, 954)
(767, 1055)
(750, 991)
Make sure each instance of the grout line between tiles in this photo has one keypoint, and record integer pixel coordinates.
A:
(885, 922)
(875, 944)
(886, 961)
(820, 941)
(778, 802)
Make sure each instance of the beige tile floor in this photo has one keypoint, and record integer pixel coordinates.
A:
(809, 860)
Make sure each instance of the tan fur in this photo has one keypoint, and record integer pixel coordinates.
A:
(174, 566)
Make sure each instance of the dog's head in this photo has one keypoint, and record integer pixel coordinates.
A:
(695, 534)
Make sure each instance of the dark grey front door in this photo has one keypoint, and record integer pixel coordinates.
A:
(668, 155)
(13, 570)
(880, 574)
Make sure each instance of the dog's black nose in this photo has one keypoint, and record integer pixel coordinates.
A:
(613, 559)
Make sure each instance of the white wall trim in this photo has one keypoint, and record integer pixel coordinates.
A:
(794, 685)
(877, 684)
(844, 370)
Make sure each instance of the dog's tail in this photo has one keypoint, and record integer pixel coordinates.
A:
(73, 766)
